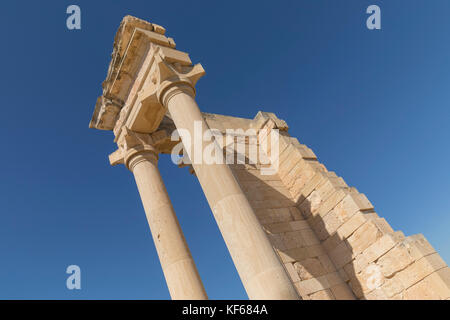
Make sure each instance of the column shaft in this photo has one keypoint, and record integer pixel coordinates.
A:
(178, 266)
(261, 272)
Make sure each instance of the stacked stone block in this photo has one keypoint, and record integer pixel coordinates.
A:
(299, 249)
(369, 257)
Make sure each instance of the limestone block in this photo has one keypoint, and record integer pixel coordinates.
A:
(256, 194)
(296, 214)
(263, 212)
(293, 239)
(377, 294)
(158, 38)
(312, 204)
(324, 227)
(292, 164)
(377, 249)
(436, 286)
(312, 285)
(418, 246)
(283, 144)
(281, 213)
(310, 168)
(322, 295)
(367, 234)
(283, 254)
(287, 161)
(420, 269)
(333, 201)
(245, 177)
(340, 255)
(357, 220)
(297, 254)
(267, 142)
(281, 192)
(356, 287)
(329, 186)
(276, 241)
(332, 242)
(327, 263)
(405, 253)
(344, 275)
(350, 204)
(290, 177)
(302, 292)
(395, 260)
(399, 296)
(342, 292)
(299, 225)
(310, 186)
(275, 204)
(159, 29)
(392, 287)
(303, 151)
(292, 272)
(309, 268)
(255, 174)
(175, 56)
(297, 172)
(274, 184)
(334, 279)
(280, 227)
(309, 237)
(370, 278)
(263, 118)
(315, 251)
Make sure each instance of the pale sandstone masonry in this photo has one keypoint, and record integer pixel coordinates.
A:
(148, 92)
(299, 232)
(371, 258)
(327, 234)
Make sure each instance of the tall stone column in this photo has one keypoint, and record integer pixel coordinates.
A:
(259, 268)
(181, 274)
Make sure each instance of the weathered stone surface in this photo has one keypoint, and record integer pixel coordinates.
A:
(342, 292)
(298, 229)
(433, 287)
(367, 234)
(322, 295)
(309, 268)
(313, 285)
(420, 269)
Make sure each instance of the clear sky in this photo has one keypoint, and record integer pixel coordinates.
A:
(373, 105)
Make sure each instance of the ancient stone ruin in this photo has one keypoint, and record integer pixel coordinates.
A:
(294, 229)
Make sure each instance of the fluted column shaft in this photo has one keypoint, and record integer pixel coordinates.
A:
(259, 268)
(176, 261)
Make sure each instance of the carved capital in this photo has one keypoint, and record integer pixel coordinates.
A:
(134, 147)
(173, 68)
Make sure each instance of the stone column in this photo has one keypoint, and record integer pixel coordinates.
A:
(261, 272)
(176, 261)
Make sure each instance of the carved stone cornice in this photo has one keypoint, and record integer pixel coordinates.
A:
(131, 45)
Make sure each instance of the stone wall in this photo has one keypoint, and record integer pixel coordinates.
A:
(327, 234)
(375, 261)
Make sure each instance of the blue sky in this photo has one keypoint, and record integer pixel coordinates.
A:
(373, 105)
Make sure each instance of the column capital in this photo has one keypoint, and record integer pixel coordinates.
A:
(174, 69)
(134, 147)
